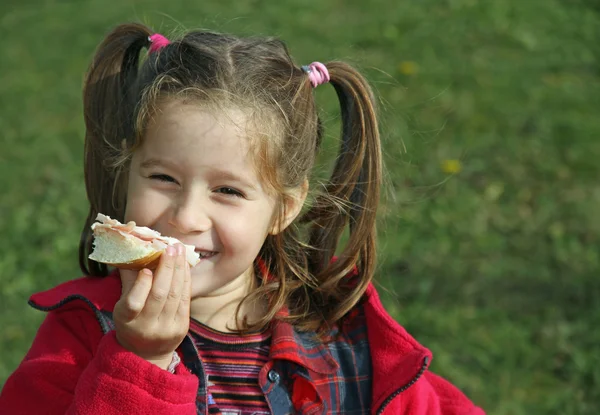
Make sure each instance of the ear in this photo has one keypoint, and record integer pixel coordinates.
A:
(293, 202)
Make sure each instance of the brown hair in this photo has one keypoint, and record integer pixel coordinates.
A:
(122, 91)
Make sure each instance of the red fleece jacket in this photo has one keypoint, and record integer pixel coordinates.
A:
(73, 368)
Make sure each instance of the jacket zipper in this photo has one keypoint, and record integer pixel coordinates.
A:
(403, 388)
(204, 374)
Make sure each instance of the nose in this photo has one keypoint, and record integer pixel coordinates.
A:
(190, 215)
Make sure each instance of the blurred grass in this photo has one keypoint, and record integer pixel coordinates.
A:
(489, 234)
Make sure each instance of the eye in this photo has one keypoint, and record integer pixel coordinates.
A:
(162, 178)
(230, 191)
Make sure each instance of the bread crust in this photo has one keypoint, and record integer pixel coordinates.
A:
(149, 261)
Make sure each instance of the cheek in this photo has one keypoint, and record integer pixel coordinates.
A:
(143, 203)
(245, 231)
(134, 210)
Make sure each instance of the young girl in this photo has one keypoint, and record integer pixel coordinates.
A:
(211, 139)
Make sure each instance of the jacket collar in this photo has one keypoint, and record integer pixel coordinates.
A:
(101, 293)
(398, 359)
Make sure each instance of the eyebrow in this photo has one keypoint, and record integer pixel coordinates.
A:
(153, 162)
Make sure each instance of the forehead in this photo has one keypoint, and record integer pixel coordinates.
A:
(188, 124)
(192, 135)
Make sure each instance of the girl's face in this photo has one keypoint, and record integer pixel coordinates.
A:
(193, 179)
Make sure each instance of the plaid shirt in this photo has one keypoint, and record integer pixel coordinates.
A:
(305, 376)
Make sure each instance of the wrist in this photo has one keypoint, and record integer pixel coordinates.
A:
(162, 361)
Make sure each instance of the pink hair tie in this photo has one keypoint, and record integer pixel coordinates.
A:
(317, 73)
(158, 42)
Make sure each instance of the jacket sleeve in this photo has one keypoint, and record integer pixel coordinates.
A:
(432, 395)
(72, 369)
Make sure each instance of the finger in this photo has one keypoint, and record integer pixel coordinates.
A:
(183, 312)
(161, 284)
(172, 303)
(128, 278)
(132, 303)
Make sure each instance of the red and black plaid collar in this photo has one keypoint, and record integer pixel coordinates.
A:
(301, 348)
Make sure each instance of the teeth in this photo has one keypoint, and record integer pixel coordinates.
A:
(204, 254)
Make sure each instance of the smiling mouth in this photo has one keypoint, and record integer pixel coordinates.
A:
(206, 254)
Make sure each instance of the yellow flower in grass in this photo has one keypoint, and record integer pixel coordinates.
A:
(451, 166)
(408, 68)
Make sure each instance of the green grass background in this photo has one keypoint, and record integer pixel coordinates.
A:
(493, 266)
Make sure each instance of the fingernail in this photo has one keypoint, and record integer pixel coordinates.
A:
(170, 251)
(180, 249)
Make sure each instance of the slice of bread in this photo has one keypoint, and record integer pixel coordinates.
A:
(113, 248)
(130, 246)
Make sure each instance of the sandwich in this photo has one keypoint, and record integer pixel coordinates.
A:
(130, 246)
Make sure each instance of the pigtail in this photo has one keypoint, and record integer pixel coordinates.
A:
(108, 108)
(348, 200)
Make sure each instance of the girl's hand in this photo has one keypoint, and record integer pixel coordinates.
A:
(152, 317)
